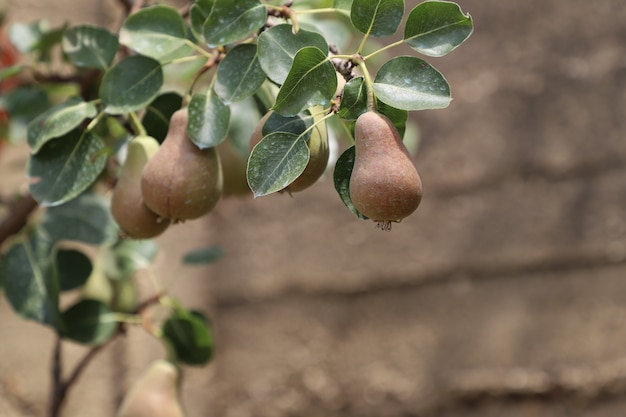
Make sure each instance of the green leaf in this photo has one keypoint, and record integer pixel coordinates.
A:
(58, 121)
(342, 4)
(231, 21)
(198, 14)
(207, 125)
(23, 104)
(290, 124)
(341, 178)
(189, 335)
(397, 116)
(89, 322)
(26, 36)
(156, 120)
(278, 47)
(377, 17)
(29, 282)
(90, 46)
(410, 83)
(203, 256)
(131, 84)
(128, 256)
(311, 82)
(239, 75)
(73, 268)
(158, 32)
(435, 28)
(353, 99)
(276, 161)
(66, 167)
(86, 219)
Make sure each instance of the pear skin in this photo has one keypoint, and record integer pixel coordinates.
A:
(155, 394)
(182, 182)
(385, 185)
(135, 220)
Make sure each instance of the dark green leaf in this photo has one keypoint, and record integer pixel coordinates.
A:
(278, 47)
(239, 75)
(353, 99)
(86, 218)
(207, 125)
(73, 268)
(231, 21)
(128, 256)
(311, 81)
(66, 167)
(198, 14)
(158, 32)
(156, 120)
(289, 124)
(89, 322)
(90, 46)
(131, 84)
(410, 83)
(189, 335)
(58, 121)
(203, 256)
(377, 17)
(276, 161)
(435, 28)
(341, 178)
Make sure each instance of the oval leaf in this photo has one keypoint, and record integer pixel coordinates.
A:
(341, 179)
(276, 161)
(89, 322)
(58, 121)
(410, 83)
(131, 84)
(65, 168)
(90, 46)
(189, 335)
(278, 47)
(158, 32)
(311, 82)
(198, 14)
(435, 28)
(239, 74)
(156, 120)
(353, 99)
(377, 17)
(73, 268)
(207, 125)
(231, 21)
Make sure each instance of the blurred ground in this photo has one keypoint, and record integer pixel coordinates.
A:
(504, 295)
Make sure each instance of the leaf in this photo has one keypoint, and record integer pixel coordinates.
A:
(353, 99)
(203, 256)
(278, 47)
(25, 36)
(189, 335)
(311, 82)
(73, 268)
(342, 4)
(89, 322)
(128, 256)
(198, 14)
(131, 84)
(435, 28)
(239, 74)
(90, 46)
(157, 32)
(341, 178)
(276, 161)
(410, 83)
(290, 124)
(58, 121)
(156, 120)
(231, 21)
(377, 17)
(29, 283)
(207, 125)
(65, 168)
(86, 219)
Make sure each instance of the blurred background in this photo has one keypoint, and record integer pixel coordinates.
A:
(503, 295)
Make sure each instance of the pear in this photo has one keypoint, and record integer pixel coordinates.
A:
(127, 205)
(234, 166)
(182, 182)
(385, 185)
(155, 394)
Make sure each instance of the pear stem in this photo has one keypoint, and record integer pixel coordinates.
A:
(137, 125)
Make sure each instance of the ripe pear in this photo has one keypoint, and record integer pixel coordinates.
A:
(182, 182)
(318, 148)
(127, 205)
(385, 185)
(155, 394)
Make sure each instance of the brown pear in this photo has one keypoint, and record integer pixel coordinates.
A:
(127, 205)
(182, 182)
(155, 394)
(385, 185)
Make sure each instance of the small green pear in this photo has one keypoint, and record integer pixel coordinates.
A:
(127, 204)
(155, 394)
(385, 185)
